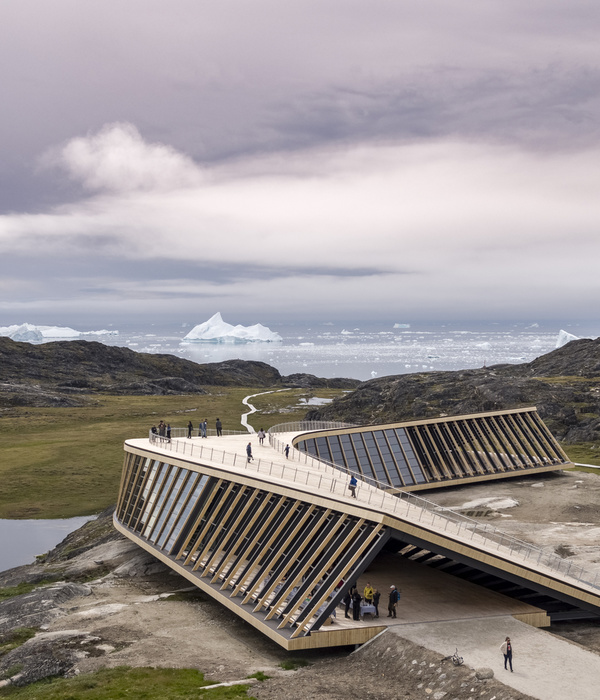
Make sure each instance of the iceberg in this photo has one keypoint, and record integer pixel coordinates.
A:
(401, 325)
(29, 333)
(25, 333)
(216, 330)
(564, 338)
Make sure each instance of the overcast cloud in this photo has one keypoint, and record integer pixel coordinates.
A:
(316, 160)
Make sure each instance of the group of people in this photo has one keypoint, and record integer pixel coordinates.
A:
(203, 427)
(371, 596)
(354, 600)
(163, 430)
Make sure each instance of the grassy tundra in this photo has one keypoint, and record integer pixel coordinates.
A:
(64, 462)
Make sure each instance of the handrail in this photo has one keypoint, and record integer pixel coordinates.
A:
(302, 469)
(488, 532)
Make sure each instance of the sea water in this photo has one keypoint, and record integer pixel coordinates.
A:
(363, 350)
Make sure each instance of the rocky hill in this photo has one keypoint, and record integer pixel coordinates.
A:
(56, 373)
(563, 384)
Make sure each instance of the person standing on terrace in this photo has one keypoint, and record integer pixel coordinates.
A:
(352, 486)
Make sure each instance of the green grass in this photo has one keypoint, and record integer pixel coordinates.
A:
(585, 453)
(293, 664)
(64, 462)
(260, 676)
(13, 639)
(12, 591)
(125, 682)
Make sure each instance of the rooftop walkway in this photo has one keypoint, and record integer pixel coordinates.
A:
(427, 595)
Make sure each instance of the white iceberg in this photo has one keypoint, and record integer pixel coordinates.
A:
(29, 333)
(564, 338)
(25, 333)
(401, 325)
(216, 330)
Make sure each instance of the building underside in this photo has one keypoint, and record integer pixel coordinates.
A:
(278, 540)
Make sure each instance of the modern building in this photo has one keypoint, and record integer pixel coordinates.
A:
(279, 539)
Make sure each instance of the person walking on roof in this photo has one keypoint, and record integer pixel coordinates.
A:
(506, 649)
(287, 451)
(249, 452)
(219, 427)
(261, 436)
(393, 601)
(352, 486)
(190, 428)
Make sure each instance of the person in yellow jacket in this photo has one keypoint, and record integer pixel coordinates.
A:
(368, 594)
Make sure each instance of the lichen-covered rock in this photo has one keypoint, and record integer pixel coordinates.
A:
(47, 655)
(38, 607)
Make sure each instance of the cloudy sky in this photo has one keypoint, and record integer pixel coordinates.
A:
(313, 160)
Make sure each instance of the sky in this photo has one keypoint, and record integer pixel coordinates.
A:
(312, 160)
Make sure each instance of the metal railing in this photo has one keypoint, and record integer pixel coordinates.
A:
(301, 468)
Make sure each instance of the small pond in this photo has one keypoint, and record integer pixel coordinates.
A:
(22, 540)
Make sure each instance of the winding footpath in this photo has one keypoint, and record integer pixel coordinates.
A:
(244, 418)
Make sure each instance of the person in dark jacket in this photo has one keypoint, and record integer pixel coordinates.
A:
(376, 597)
(219, 427)
(190, 428)
(393, 601)
(352, 486)
(249, 452)
(356, 598)
(347, 599)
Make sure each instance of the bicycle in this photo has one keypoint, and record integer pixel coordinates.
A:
(455, 658)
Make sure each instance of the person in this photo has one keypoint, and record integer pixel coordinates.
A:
(249, 452)
(190, 428)
(368, 594)
(356, 598)
(376, 597)
(287, 451)
(261, 436)
(352, 486)
(162, 428)
(169, 432)
(346, 600)
(506, 649)
(393, 601)
(203, 425)
(154, 430)
(219, 427)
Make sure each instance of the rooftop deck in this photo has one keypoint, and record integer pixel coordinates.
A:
(298, 490)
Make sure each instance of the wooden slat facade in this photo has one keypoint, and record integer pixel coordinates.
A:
(428, 454)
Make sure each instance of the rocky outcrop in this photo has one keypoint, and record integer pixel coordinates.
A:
(68, 373)
(564, 386)
(92, 552)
